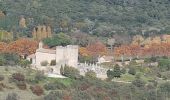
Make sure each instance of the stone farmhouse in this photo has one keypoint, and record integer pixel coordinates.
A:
(62, 55)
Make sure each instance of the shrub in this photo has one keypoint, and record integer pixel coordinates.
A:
(90, 75)
(138, 82)
(44, 63)
(24, 63)
(54, 86)
(84, 86)
(21, 85)
(12, 96)
(18, 77)
(39, 76)
(2, 61)
(53, 62)
(37, 90)
(50, 86)
(1, 77)
(71, 72)
(11, 59)
(54, 95)
(132, 71)
(164, 64)
(123, 70)
(59, 85)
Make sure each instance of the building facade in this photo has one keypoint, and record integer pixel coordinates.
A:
(67, 55)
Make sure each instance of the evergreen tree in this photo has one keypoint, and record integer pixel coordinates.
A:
(117, 71)
(61, 70)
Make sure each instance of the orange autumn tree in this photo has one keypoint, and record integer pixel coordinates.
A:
(23, 46)
(3, 47)
(97, 49)
(83, 51)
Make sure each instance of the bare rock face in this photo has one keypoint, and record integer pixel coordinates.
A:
(40, 32)
(22, 22)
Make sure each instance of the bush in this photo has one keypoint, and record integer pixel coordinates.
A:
(12, 96)
(50, 86)
(138, 82)
(164, 64)
(10, 59)
(37, 90)
(21, 85)
(132, 71)
(90, 75)
(123, 70)
(44, 63)
(2, 61)
(39, 76)
(53, 62)
(24, 63)
(54, 95)
(71, 72)
(1, 77)
(18, 77)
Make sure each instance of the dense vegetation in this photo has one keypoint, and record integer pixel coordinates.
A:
(17, 83)
(98, 17)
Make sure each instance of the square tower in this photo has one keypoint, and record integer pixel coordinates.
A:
(67, 55)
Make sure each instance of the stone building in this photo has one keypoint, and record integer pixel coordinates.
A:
(62, 55)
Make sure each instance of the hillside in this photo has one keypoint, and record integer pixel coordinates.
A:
(98, 17)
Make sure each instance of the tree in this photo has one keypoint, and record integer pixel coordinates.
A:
(132, 71)
(71, 72)
(123, 70)
(60, 39)
(97, 49)
(110, 74)
(117, 71)
(90, 75)
(23, 46)
(62, 70)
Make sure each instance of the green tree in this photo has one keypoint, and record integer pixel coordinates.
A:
(24, 63)
(132, 71)
(165, 89)
(117, 71)
(62, 70)
(164, 64)
(138, 82)
(60, 39)
(91, 75)
(71, 72)
(110, 74)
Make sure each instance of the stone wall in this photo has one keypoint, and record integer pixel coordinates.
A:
(67, 55)
(40, 56)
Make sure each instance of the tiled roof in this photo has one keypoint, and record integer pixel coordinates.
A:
(107, 58)
(46, 51)
(31, 56)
